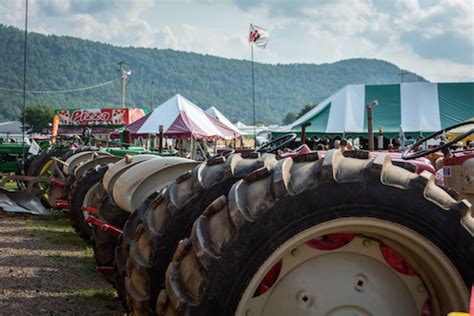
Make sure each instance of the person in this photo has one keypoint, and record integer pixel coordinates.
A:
(348, 147)
(391, 148)
(325, 143)
(337, 144)
(343, 144)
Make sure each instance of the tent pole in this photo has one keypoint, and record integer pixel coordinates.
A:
(370, 130)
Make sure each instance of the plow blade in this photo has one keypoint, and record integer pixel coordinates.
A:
(21, 202)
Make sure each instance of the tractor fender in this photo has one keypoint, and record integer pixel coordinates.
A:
(136, 184)
(467, 173)
(91, 163)
(75, 160)
(118, 168)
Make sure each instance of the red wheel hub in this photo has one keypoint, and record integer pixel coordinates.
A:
(330, 241)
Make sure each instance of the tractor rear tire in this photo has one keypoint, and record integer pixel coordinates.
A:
(78, 194)
(35, 168)
(170, 218)
(122, 249)
(40, 160)
(70, 178)
(241, 235)
(104, 243)
(64, 193)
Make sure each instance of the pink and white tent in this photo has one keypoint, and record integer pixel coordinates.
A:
(215, 113)
(180, 118)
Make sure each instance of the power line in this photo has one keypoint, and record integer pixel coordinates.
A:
(60, 91)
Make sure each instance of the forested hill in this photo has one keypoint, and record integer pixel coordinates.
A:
(61, 62)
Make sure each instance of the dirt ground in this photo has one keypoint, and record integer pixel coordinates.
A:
(46, 269)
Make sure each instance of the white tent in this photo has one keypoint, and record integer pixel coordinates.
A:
(11, 128)
(180, 118)
(215, 113)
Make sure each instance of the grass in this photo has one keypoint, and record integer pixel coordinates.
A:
(106, 297)
(10, 186)
(54, 228)
(108, 294)
(75, 255)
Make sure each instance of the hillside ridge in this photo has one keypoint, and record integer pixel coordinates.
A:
(65, 62)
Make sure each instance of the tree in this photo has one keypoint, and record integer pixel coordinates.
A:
(289, 118)
(37, 117)
(62, 63)
(306, 109)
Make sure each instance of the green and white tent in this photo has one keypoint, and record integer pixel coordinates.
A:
(419, 108)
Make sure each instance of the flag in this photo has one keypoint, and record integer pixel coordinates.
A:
(258, 36)
(34, 148)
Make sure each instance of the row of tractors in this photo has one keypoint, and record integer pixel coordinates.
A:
(270, 232)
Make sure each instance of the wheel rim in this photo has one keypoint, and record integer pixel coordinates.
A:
(369, 261)
(46, 172)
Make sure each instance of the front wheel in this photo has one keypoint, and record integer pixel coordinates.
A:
(326, 237)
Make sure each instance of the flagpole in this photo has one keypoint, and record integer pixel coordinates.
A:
(253, 100)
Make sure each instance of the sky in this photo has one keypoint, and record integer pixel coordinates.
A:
(434, 38)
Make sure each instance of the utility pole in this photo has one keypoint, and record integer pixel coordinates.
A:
(402, 75)
(123, 80)
(152, 94)
(23, 127)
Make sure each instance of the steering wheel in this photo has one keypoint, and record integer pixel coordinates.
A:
(225, 153)
(276, 144)
(410, 154)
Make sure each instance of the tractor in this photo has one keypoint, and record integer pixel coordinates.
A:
(277, 233)
(335, 233)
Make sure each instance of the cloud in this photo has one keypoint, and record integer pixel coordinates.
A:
(12, 12)
(452, 46)
(444, 30)
(213, 41)
(432, 29)
(414, 34)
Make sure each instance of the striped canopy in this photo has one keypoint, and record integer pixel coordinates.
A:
(417, 108)
(215, 113)
(180, 118)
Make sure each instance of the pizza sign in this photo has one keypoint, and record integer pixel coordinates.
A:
(92, 117)
(81, 117)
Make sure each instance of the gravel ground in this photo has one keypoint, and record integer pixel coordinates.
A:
(46, 269)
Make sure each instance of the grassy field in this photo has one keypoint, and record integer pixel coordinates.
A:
(44, 256)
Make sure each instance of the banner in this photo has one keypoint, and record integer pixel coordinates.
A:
(95, 117)
(54, 132)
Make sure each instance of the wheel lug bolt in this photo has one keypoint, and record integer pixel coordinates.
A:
(304, 299)
(360, 283)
